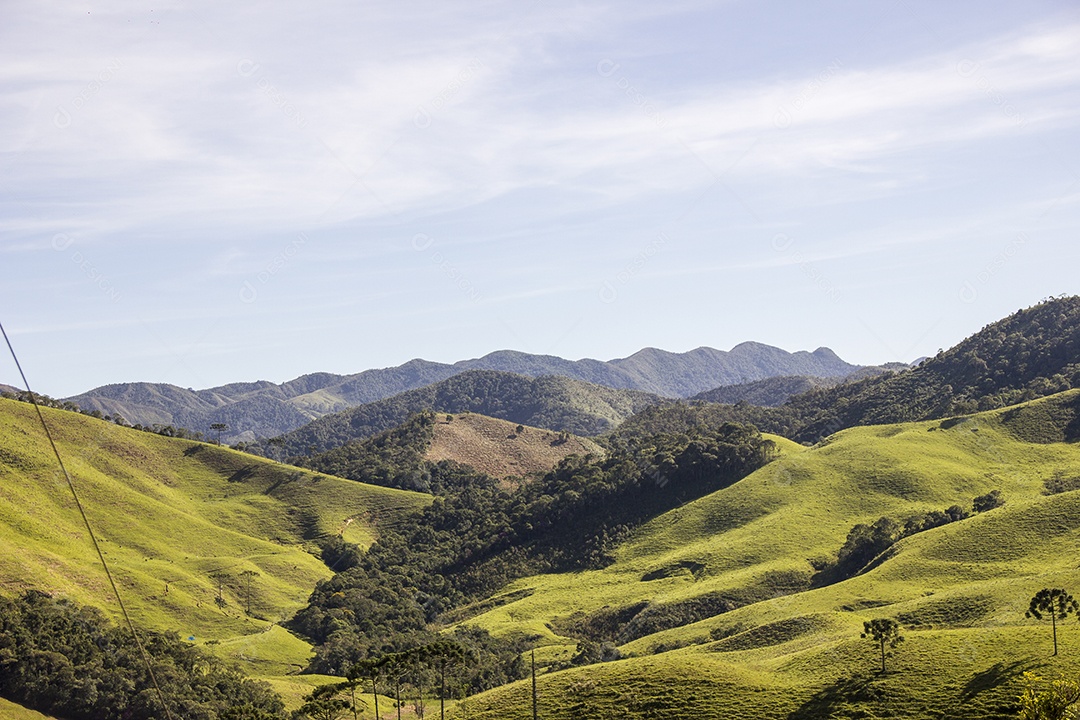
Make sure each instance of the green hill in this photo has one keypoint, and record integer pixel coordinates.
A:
(399, 457)
(551, 403)
(715, 608)
(179, 521)
(1032, 353)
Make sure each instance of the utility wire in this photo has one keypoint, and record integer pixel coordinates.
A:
(89, 529)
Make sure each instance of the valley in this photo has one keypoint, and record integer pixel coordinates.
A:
(715, 556)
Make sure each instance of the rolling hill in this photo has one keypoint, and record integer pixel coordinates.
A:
(717, 613)
(180, 523)
(496, 447)
(401, 457)
(264, 409)
(551, 403)
(1033, 353)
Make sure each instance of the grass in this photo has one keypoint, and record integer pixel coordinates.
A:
(972, 673)
(494, 446)
(11, 711)
(960, 590)
(171, 516)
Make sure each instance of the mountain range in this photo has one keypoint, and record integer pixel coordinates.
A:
(264, 409)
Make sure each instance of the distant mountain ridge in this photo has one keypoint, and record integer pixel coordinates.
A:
(1033, 353)
(266, 409)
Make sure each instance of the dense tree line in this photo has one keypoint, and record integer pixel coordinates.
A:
(768, 392)
(695, 417)
(393, 458)
(865, 543)
(68, 661)
(477, 536)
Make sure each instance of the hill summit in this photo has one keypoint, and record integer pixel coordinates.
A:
(500, 448)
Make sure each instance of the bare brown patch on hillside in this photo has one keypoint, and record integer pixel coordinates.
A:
(495, 447)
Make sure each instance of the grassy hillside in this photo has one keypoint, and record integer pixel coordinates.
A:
(11, 711)
(172, 516)
(496, 448)
(769, 643)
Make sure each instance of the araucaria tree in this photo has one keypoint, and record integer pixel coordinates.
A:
(1055, 602)
(883, 631)
(220, 428)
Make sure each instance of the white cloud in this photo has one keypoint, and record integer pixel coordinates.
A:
(179, 131)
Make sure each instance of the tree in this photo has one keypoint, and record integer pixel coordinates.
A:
(220, 578)
(532, 657)
(247, 575)
(989, 501)
(443, 654)
(883, 631)
(1055, 602)
(395, 666)
(278, 444)
(220, 427)
(323, 704)
(1052, 704)
(353, 675)
(366, 669)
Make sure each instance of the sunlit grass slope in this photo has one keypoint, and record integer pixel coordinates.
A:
(177, 520)
(11, 711)
(960, 590)
(968, 673)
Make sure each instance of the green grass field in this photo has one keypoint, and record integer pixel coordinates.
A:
(960, 590)
(171, 516)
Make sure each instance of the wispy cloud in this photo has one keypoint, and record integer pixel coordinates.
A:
(186, 132)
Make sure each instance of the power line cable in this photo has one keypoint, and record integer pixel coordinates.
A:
(89, 529)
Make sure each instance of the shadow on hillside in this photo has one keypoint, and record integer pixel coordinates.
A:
(242, 474)
(992, 677)
(861, 694)
(1072, 430)
(828, 701)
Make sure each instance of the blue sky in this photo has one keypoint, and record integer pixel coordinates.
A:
(197, 193)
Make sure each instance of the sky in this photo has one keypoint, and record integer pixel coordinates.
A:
(200, 193)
